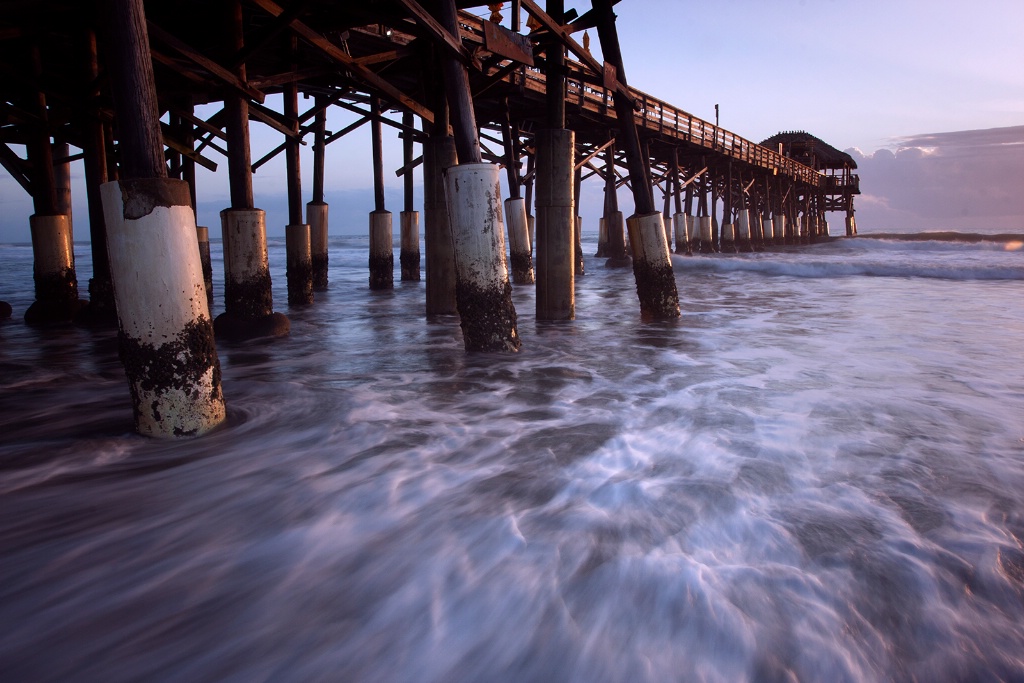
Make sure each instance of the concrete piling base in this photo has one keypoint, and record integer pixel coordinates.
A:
(299, 257)
(579, 267)
(728, 238)
(617, 256)
(705, 245)
(166, 337)
(652, 268)
(382, 251)
(779, 226)
(248, 298)
(54, 271)
(682, 233)
(409, 252)
(520, 253)
(316, 214)
(851, 226)
(482, 288)
(743, 231)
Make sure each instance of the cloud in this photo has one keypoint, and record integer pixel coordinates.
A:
(960, 180)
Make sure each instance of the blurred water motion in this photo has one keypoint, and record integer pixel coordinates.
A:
(816, 474)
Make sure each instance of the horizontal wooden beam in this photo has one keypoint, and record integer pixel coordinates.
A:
(205, 63)
(564, 36)
(694, 177)
(337, 54)
(198, 122)
(272, 119)
(440, 35)
(418, 135)
(594, 153)
(185, 150)
(347, 129)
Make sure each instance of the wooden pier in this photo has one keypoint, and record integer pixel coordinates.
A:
(516, 92)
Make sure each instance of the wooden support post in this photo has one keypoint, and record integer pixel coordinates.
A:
(577, 185)
(316, 210)
(681, 222)
(409, 255)
(652, 262)
(639, 177)
(438, 156)
(516, 218)
(460, 98)
(166, 339)
(556, 215)
(56, 284)
(248, 295)
(382, 254)
(101, 310)
(614, 226)
(713, 245)
(555, 72)
(298, 248)
(482, 289)
(510, 141)
(728, 244)
(531, 219)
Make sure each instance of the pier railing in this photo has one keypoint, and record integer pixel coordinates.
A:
(654, 115)
(671, 122)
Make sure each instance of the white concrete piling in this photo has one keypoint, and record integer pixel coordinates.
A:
(482, 288)
(166, 336)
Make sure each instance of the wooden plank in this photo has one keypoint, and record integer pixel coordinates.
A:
(185, 150)
(197, 122)
(334, 52)
(692, 178)
(16, 166)
(594, 153)
(452, 43)
(345, 131)
(270, 117)
(409, 166)
(207, 64)
(292, 76)
(505, 43)
(417, 135)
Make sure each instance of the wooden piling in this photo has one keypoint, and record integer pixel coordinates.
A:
(438, 156)
(101, 310)
(297, 235)
(556, 220)
(248, 295)
(317, 209)
(409, 219)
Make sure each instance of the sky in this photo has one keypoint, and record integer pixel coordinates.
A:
(927, 96)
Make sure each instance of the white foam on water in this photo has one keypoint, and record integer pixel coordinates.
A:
(816, 474)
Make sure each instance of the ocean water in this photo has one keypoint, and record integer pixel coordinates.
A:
(816, 474)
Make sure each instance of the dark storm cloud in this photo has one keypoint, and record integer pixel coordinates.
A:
(963, 180)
